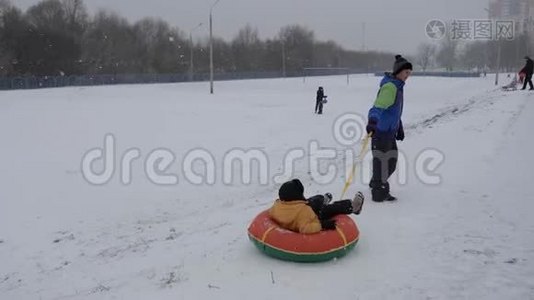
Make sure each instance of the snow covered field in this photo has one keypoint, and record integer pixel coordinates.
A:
(469, 237)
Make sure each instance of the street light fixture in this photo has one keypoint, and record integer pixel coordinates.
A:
(211, 45)
(491, 15)
(191, 68)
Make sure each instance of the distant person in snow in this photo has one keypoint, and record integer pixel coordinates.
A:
(528, 70)
(385, 125)
(319, 101)
(294, 212)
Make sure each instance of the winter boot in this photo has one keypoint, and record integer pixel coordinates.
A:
(379, 194)
(390, 198)
(388, 195)
(327, 198)
(357, 203)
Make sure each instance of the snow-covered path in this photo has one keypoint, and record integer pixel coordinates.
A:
(469, 237)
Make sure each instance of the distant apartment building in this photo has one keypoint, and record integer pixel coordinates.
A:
(520, 11)
(529, 23)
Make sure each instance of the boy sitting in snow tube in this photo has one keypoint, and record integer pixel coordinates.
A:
(294, 212)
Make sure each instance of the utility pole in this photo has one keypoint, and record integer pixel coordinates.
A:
(283, 59)
(364, 33)
(498, 62)
(211, 46)
(492, 16)
(191, 46)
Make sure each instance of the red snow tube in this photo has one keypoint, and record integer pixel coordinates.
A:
(284, 244)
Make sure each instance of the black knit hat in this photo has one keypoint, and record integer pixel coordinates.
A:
(401, 64)
(291, 190)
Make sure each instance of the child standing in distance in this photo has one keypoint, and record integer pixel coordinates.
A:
(319, 101)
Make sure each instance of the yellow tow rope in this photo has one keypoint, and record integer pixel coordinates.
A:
(363, 152)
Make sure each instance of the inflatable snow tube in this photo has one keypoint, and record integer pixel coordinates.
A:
(284, 244)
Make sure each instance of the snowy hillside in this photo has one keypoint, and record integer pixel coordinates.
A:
(470, 236)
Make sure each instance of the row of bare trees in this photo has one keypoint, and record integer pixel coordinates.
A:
(60, 37)
(473, 55)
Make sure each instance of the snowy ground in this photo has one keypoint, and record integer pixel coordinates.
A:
(469, 237)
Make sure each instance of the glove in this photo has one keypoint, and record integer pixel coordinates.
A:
(328, 224)
(400, 133)
(371, 126)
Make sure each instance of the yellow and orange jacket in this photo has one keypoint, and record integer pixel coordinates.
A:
(296, 216)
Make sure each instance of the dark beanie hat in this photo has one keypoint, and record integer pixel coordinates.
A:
(401, 64)
(291, 190)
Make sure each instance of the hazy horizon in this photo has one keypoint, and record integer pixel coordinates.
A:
(338, 20)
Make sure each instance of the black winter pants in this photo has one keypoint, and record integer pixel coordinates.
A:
(385, 156)
(319, 107)
(528, 80)
(326, 212)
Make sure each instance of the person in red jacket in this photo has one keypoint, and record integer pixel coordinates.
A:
(528, 70)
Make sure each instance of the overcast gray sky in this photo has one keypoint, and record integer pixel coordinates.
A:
(393, 25)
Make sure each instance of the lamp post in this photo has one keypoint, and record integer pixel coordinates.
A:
(211, 46)
(492, 16)
(191, 68)
(364, 33)
(283, 58)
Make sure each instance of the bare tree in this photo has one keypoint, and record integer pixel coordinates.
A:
(474, 55)
(58, 37)
(47, 14)
(327, 54)
(109, 45)
(162, 49)
(447, 54)
(247, 36)
(75, 14)
(298, 42)
(247, 49)
(4, 5)
(5, 53)
(425, 55)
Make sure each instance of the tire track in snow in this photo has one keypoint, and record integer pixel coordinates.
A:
(451, 113)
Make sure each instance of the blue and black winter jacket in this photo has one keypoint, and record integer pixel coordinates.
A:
(387, 109)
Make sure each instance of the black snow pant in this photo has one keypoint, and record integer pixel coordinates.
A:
(326, 212)
(319, 107)
(385, 156)
(528, 80)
